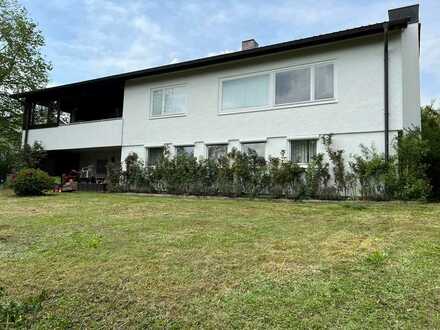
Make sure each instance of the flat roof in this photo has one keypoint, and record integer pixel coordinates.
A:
(362, 31)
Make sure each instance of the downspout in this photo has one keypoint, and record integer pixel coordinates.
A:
(386, 92)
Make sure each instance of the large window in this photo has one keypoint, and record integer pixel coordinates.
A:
(185, 151)
(216, 151)
(302, 151)
(247, 92)
(168, 101)
(154, 155)
(258, 147)
(293, 86)
(296, 85)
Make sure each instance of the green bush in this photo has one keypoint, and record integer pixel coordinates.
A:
(317, 178)
(412, 179)
(431, 136)
(368, 175)
(285, 178)
(32, 182)
(372, 173)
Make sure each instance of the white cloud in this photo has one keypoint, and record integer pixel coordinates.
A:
(90, 38)
(112, 38)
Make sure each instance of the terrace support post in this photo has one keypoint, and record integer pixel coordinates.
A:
(26, 120)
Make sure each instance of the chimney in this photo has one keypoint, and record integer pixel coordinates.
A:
(410, 12)
(249, 44)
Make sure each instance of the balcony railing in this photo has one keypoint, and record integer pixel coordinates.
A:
(79, 135)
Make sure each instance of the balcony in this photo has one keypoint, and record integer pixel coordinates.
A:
(88, 134)
(75, 116)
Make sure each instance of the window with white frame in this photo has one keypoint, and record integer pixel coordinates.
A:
(154, 155)
(324, 81)
(293, 86)
(302, 151)
(258, 147)
(185, 151)
(297, 85)
(245, 92)
(168, 101)
(217, 151)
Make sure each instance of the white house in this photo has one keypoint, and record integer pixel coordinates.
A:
(360, 84)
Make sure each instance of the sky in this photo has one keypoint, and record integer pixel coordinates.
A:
(86, 39)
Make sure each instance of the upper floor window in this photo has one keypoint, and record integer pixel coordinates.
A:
(293, 86)
(296, 85)
(246, 92)
(258, 147)
(324, 81)
(290, 86)
(217, 151)
(302, 151)
(185, 151)
(168, 101)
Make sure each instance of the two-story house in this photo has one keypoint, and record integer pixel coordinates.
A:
(360, 84)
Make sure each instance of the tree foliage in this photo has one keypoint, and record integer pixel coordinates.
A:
(431, 135)
(22, 66)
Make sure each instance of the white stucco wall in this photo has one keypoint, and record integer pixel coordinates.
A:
(355, 117)
(411, 76)
(105, 133)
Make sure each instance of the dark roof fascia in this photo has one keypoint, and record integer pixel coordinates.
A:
(229, 57)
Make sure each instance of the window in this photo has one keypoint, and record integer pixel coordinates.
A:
(324, 81)
(154, 155)
(293, 86)
(248, 92)
(258, 147)
(168, 101)
(185, 150)
(42, 115)
(302, 151)
(216, 151)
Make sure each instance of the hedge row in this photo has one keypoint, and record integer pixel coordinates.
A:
(327, 176)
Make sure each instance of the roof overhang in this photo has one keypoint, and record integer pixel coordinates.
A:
(358, 32)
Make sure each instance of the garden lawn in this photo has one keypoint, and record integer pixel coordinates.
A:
(128, 261)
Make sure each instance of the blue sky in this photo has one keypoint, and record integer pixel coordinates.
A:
(90, 38)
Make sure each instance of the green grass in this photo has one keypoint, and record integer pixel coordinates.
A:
(126, 261)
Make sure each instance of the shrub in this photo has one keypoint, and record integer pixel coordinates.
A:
(372, 173)
(32, 182)
(431, 135)
(114, 177)
(338, 165)
(285, 177)
(135, 176)
(412, 152)
(246, 174)
(317, 177)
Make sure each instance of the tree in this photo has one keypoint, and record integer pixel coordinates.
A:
(22, 66)
(431, 134)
